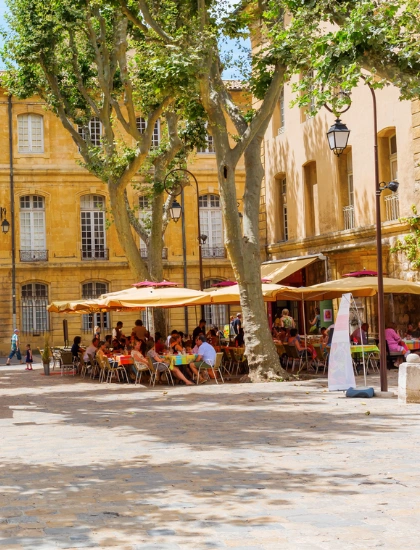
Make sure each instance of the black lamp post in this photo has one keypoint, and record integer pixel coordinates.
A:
(338, 136)
(176, 211)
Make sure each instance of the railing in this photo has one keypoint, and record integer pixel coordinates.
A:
(348, 212)
(144, 254)
(33, 255)
(95, 253)
(213, 252)
(392, 205)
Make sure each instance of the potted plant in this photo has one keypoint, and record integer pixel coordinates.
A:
(46, 354)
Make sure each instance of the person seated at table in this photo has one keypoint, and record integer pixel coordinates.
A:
(175, 344)
(102, 353)
(188, 346)
(282, 335)
(206, 356)
(108, 341)
(239, 339)
(154, 356)
(117, 333)
(91, 350)
(76, 349)
(295, 341)
(416, 333)
(168, 339)
(360, 335)
(159, 343)
(324, 338)
(394, 340)
(409, 332)
(277, 323)
(137, 355)
(212, 338)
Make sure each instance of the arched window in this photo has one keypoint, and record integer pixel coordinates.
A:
(216, 315)
(30, 133)
(91, 291)
(94, 130)
(92, 218)
(32, 229)
(34, 301)
(141, 127)
(211, 226)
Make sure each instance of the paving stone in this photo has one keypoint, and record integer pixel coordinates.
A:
(254, 466)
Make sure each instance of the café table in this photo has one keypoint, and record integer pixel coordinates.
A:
(178, 360)
(412, 344)
(369, 348)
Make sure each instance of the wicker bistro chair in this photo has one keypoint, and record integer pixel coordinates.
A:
(67, 362)
(321, 360)
(292, 356)
(95, 367)
(114, 368)
(238, 358)
(140, 368)
(83, 366)
(159, 367)
(55, 358)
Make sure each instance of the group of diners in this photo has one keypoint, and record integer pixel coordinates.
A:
(141, 347)
(284, 331)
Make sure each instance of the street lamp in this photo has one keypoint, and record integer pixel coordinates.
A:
(175, 211)
(5, 225)
(338, 136)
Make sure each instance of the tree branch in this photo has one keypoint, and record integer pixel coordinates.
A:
(265, 110)
(135, 222)
(152, 22)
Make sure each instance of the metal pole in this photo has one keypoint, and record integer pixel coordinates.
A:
(184, 255)
(12, 211)
(381, 309)
(200, 252)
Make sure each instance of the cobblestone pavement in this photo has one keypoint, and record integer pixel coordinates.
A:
(251, 466)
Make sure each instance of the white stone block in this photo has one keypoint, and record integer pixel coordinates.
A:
(409, 383)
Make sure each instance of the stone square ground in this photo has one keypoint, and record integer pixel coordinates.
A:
(243, 466)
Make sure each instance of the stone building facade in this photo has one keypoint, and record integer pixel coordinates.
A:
(60, 210)
(316, 203)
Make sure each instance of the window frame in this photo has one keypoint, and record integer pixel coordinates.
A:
(30, 117)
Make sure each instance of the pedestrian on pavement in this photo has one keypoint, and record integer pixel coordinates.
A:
(29, 359)
(15, 350)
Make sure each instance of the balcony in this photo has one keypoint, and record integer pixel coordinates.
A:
(94, 253)
(213, 252)
(348, 212)
(33, 255)
(392, 206)
(144, 255)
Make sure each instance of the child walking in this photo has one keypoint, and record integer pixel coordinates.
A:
(29, 359)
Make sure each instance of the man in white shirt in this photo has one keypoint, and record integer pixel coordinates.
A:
(91, 350)
(206, 356)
